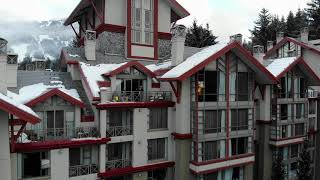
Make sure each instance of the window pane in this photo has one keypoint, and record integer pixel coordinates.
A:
(242, 86)
(50, 119)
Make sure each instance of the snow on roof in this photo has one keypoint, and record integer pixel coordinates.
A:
(194, 60)
(31, 92)
(159, 66)
(277, 66)
(93, 74)
(16, 103)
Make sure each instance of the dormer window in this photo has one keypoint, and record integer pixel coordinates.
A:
(142, 21)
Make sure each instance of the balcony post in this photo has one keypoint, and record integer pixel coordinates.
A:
(102, 148)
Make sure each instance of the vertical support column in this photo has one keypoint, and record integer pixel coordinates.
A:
(59, 164)
(182, 127)
(5, 162)
(228, 142)
(102, 149)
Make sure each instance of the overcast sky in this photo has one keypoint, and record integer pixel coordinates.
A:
(225, 17)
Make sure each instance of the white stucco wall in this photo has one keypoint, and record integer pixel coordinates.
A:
(5, 162)
(164, 17)
(116, 12)
(313, 60)
(142, 51)
(59, 164)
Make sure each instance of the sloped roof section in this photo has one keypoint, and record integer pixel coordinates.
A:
(201, 59)
(17, 109)
(135, 64)
(278, 66)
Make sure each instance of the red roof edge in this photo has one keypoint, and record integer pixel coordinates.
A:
(136, 64)
(180, 7)
(135, 104)
(295, 62)
(53, 92)
(130, 170)
(23, 115)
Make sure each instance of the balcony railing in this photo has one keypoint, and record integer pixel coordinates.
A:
(81, 170)
(141, 96)
(59, 133)
(119, 131)
(119, 163)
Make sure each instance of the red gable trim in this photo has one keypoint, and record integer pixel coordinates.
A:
(23, 115)
(136, 64)
(182, 9)
(164, 35)
(58, 144)
(130, 170)
(220, 53)
(181, 136)
(289, 68)
(104, 83)
(135, 104)
(59, 93)
(287, 39)
(72, 62)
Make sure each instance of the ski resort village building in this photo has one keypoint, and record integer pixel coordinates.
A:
(132, 102)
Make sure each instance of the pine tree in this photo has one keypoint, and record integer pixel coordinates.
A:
(276, 25)
(278, 169)
(304, 164)
(261, 32)
(199, 36)
(301, 19)
(291, 29)
(313, 15)
(23, 64)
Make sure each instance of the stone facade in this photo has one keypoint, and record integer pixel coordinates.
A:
(164, 49)
(111, 43)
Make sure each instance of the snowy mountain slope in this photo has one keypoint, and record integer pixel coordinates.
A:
(36, 39)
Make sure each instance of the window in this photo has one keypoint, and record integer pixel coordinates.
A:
(80, 156)
(35, 164)
(120, 118)
(214, 121)
(239, 146)
(156, 149)
(208, 87)
(211, 150)
(312, 107)
(242, 86)
(239, 80)
(300, 113)
(160, 174)
(286, 86)
(158, 118)
(283, 111)
(142, 21)
(299, 129)
(284, 131)
(239, 119)
(212, 176)
(294, 150)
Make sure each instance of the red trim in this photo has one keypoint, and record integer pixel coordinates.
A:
(129, 26)
(135, 104)
(131, 170)
(222, 160)
(57, 144)
(23, 115)
(144, 45)
(181, 136)
(156, 28)
(182, 9)
(177, 91)
(104, 83)
(87, 118)
(215, 56)
(155, 85)
(161, 72)
(287, 39)
(56, 92)
(164, 35)
(16, 122)
(135, 64)
(110, 28)
(289, 68)
(221, 169)
(72, 62)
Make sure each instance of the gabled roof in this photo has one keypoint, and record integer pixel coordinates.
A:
(308, 46)
(201, 59)
(176, 7)
(17, 109)
(134, 64)
(56, 92)
(279, 67)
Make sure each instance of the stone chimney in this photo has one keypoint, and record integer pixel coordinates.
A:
(90, 45)
(3, 66)
(269, 45)
(237, 38)
(304, 34)
(280, 36)
(12, 70)
(178, 39)
(258, 52)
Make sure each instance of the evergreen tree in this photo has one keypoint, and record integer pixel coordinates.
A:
(313, 15)
(74, 42)
(275, 26)
(261, 32)
(301, 19)
(199, 36)
(304, 164)
(292, 29)
(278, 169)
(23, 64)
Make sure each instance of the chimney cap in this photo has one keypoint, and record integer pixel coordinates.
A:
(258, 49)
(280, 34)
(236, 37)
(179, 31)
(3, 46)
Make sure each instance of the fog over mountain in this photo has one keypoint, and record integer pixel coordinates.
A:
(36, 39)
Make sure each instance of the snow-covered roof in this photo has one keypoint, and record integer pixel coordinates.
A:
(93, 74)
(14, 102)
(277, 66)
(31, 92)
(159, 66)
(193, 61)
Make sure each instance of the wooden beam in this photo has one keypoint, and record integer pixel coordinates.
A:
(97, 12)
(177, 91)
(78, 36)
